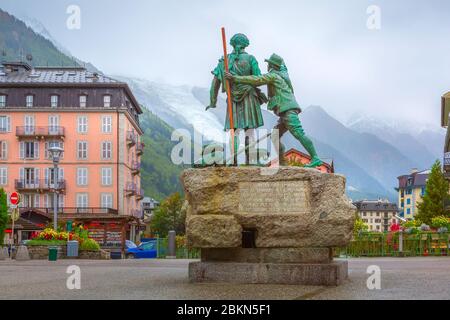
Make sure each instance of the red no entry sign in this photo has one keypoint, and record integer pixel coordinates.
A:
(14, 198)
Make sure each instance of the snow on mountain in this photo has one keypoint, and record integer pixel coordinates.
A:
(169, 101)
(421, 142)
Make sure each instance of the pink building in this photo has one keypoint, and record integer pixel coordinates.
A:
(95, 119)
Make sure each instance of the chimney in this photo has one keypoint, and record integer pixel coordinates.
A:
(414, 170)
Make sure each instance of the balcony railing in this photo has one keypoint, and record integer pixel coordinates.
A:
(40, 132)
(139, 194)
(39, 185)
(140, 148)
(131, 138)
(130, 188)
(69, 211)
(135, 167)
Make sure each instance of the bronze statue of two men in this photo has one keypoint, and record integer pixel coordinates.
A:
(245, 77)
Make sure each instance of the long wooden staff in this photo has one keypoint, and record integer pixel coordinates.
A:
(228, 88)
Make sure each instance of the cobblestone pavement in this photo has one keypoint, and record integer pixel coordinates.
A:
(401, 278)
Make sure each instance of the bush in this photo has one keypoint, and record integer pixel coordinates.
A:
(440, 222)
(39, 242)
(89, 244)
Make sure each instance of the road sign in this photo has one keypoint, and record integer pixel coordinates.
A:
(14, 198)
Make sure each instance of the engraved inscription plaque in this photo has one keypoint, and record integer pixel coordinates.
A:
(277, 197)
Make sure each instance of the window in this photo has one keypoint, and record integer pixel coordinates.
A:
(53, 124)
(5, 124)
(106, 150)
(83, 101)
(29, 150)
(3, 150)
(50, 144)
(82, 125)
(3, 176)
(408, 201)
(423, 191)
(48, 201)
(408, 211)
(106, 124)
(82, 176)
(107, 101)
(2, 101)
(29, 101)
(82, 151)
(106, 176)
(106, 200)
(54, 101)
(82, 200)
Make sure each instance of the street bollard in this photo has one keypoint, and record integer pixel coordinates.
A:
(171, 245)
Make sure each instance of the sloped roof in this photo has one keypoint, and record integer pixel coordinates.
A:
(376, 205)
(57, 75)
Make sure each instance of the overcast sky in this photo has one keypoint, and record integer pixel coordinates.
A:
(334, 60)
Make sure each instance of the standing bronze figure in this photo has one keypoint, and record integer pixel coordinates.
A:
(246, 98)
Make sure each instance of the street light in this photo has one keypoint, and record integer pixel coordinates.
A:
(56, 156)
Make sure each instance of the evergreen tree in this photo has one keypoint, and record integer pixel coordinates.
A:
(3, 215)
(436, 193)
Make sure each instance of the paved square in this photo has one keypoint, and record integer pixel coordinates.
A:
(401, 278)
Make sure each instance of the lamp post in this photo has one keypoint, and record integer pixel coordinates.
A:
(56, 155)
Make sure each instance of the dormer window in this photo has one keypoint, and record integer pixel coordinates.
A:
(2, 101)
(29, 101)
(83, 101)
(107, 101)
(54, 101)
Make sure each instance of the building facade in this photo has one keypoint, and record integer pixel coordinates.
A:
(294, 157)
(94, 119)
(379, 215)
(411, 189)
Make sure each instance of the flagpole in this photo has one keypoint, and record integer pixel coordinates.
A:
(228, 89)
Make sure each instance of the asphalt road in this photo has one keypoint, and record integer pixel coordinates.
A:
(401, 278)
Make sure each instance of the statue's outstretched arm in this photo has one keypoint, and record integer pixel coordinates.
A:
(213, 93)
(255, 80)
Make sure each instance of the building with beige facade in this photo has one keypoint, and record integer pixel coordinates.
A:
(379, 215)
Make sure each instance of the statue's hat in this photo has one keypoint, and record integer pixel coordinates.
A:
(276, 60)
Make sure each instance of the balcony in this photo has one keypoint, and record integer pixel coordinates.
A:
(75, 211)
(131, 138)
(130, 189)
(51, 132)
(137, 213)
(38, 185)
(140, 148)
(139, 194)
(135, 167)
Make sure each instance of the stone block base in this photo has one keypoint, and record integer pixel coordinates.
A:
(319, 274)
(268, 255)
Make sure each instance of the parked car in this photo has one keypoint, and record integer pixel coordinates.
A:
(145, 250)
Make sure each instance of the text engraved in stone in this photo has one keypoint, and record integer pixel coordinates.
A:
(274, 197)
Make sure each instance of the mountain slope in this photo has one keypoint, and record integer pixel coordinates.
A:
(159, 177)
(17, 40)
(422, 146)
(380, 159)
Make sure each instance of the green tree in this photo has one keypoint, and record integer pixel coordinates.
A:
(170, 215)
(436, 193)
(359, 226)
(3, 215)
